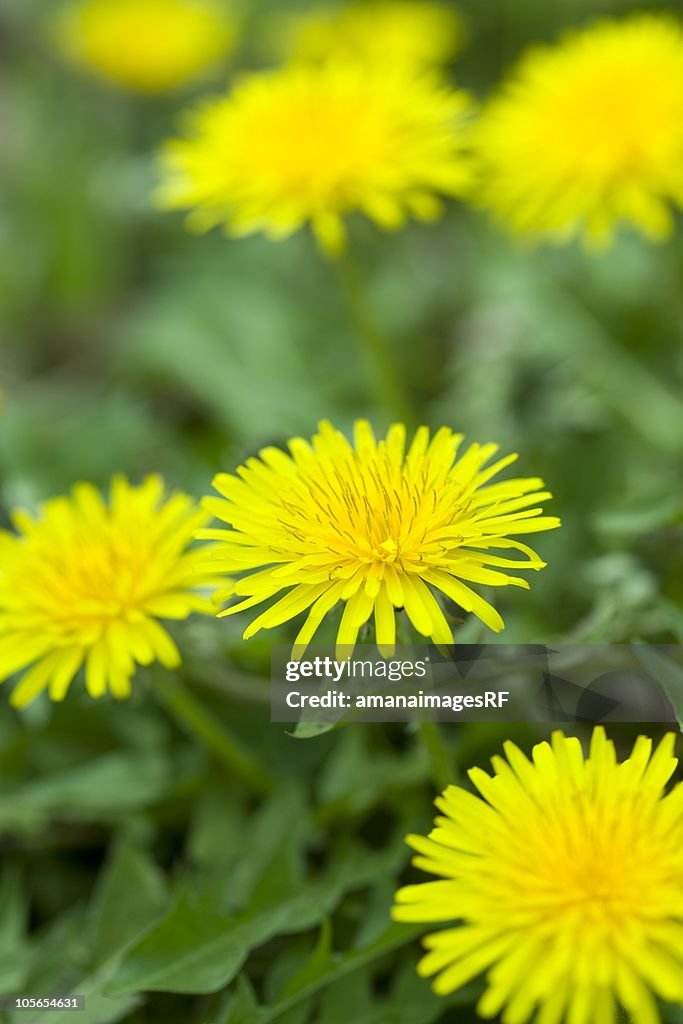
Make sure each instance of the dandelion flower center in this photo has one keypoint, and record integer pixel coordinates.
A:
(589, 133)
(567, 876)
(311, 145)
(374, 525)
(316, 164)
(86, 582)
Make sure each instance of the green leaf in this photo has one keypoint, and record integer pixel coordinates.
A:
(304, 730)
(80, 957)
(634, 520)
(215, 837)
(131, 897)
(323, 972)
(413, 994)
(349, 997)
(674, 616)
(242, 1006)
(566, 326)
(100, 1008)
(195, 949)
(112, 784)
(264, 857)
(359, 774)
(15, 954)
(59, 956)
(408, 1000)
(394, 937)
(219, 302)
(272, 867)
(667, 673)
(317, 966)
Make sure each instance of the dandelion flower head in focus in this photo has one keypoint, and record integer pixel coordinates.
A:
(376, 525)
(310, 145)
(147, 46)
(588, 134)
(416, 33)
(565, 874)
(85, 583)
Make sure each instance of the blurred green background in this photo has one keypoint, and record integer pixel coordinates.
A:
(136, 867)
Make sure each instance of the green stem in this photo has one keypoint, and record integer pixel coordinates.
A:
(191, 715)
(389, 388)
(439, 754)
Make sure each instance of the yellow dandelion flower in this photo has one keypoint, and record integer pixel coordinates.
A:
(310, 145)
(415, 33)
(588, 134)
(567, 878)
(148, 46)
(373, 526)
(86, 582)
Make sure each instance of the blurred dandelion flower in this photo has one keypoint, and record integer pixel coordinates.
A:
(85, 584)
(588, 134)
(148, 46)
(375, 527)
(567, 878)
(309, 144)
(415, 33)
